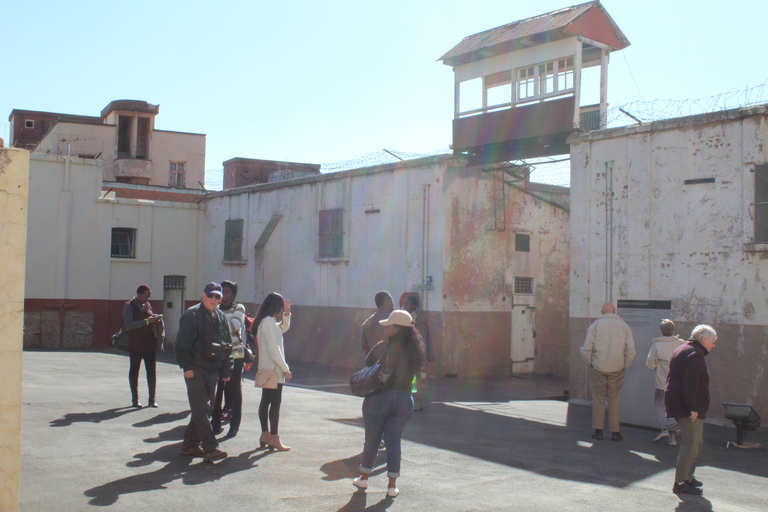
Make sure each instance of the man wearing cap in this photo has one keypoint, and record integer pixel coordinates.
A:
(204, 352)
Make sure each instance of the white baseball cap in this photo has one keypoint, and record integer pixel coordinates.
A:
(398, 317)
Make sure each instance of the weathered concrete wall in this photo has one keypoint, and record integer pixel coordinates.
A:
(481, 264)
(14, 169)
(403, 224)
(393, 231)
(690, 243)
(74, 289)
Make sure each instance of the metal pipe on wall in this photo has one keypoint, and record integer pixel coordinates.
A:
(609, 231)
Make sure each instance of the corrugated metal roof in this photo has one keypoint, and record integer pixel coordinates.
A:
(505, 35)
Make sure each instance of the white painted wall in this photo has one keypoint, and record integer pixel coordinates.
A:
(68, 254)
(382, 250)
(691, 244)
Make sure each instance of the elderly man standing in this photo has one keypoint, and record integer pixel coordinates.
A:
(687, 399)
(608, 350)
(204, 352)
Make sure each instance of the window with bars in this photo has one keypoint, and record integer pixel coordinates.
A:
(123, 243)
(524, 285)
(331, 232)
(176, 174)
(233, 240)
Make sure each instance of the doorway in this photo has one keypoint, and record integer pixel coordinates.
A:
(173, 305)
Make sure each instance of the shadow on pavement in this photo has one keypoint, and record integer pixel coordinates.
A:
(552, 438)
(357, 503)
(91, 417)
(166, 417)
(189, 471)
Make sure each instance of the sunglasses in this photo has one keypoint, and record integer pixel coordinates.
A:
(213, 296)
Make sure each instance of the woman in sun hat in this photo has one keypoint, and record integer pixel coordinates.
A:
(386, 412)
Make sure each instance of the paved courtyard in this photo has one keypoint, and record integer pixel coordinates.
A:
(479, 445)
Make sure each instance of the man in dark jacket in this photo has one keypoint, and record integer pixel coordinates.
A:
(687, 400)
(204, 352)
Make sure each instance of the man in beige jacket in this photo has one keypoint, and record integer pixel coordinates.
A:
(608, 350)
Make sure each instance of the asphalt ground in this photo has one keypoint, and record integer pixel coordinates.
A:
(479, 445)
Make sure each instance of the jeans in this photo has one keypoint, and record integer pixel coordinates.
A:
(201, 390)
(668, 425)
(385, 414)
(133, 373)
(232, 393)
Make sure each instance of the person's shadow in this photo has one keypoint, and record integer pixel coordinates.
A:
(693, 504)
(190, 471)
(357, 503)
(91, 417)
(349, 467)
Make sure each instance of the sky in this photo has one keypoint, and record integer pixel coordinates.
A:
(324, 82)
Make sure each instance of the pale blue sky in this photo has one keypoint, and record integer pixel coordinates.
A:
(322, 82)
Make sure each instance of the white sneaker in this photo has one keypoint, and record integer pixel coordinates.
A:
(672, 442)
(392, 492)
(662, 435)
(360, 483)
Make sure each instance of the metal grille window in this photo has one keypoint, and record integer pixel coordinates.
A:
(331, 233)
(233, 240)
(123, 243)
(761, 204)
(176, 174)
(522, 242)
(174, 282)
(524, 285)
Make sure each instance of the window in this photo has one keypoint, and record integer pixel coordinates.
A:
(545, 80)
(331, 233)
(233, 240)
(176, 174)
(123, 243)
(761, 204)
(522, 242)
(29, 123)
(524, 285)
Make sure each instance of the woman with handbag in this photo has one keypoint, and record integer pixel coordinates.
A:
(272, 320)
(231, 391)
(386, 412)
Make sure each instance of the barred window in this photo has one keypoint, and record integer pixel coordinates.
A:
(233, 240)
(123, 243)
(331, 233)
(524, 285)
(176, 174)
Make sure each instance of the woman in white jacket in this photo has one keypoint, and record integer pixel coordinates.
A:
(272, 320)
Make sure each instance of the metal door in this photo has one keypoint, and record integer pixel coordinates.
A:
(173, 305)
(523, 334)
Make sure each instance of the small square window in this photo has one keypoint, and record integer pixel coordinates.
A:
(524, 285)
(123, 243)
(29, 123)
(522, 242)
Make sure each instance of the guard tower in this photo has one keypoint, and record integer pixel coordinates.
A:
(518, 86)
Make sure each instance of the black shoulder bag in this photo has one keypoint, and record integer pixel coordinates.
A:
(372, 378)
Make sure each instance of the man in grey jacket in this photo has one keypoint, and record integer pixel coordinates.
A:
(608, 349)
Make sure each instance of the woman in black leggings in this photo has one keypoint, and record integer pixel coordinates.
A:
(272, 320)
